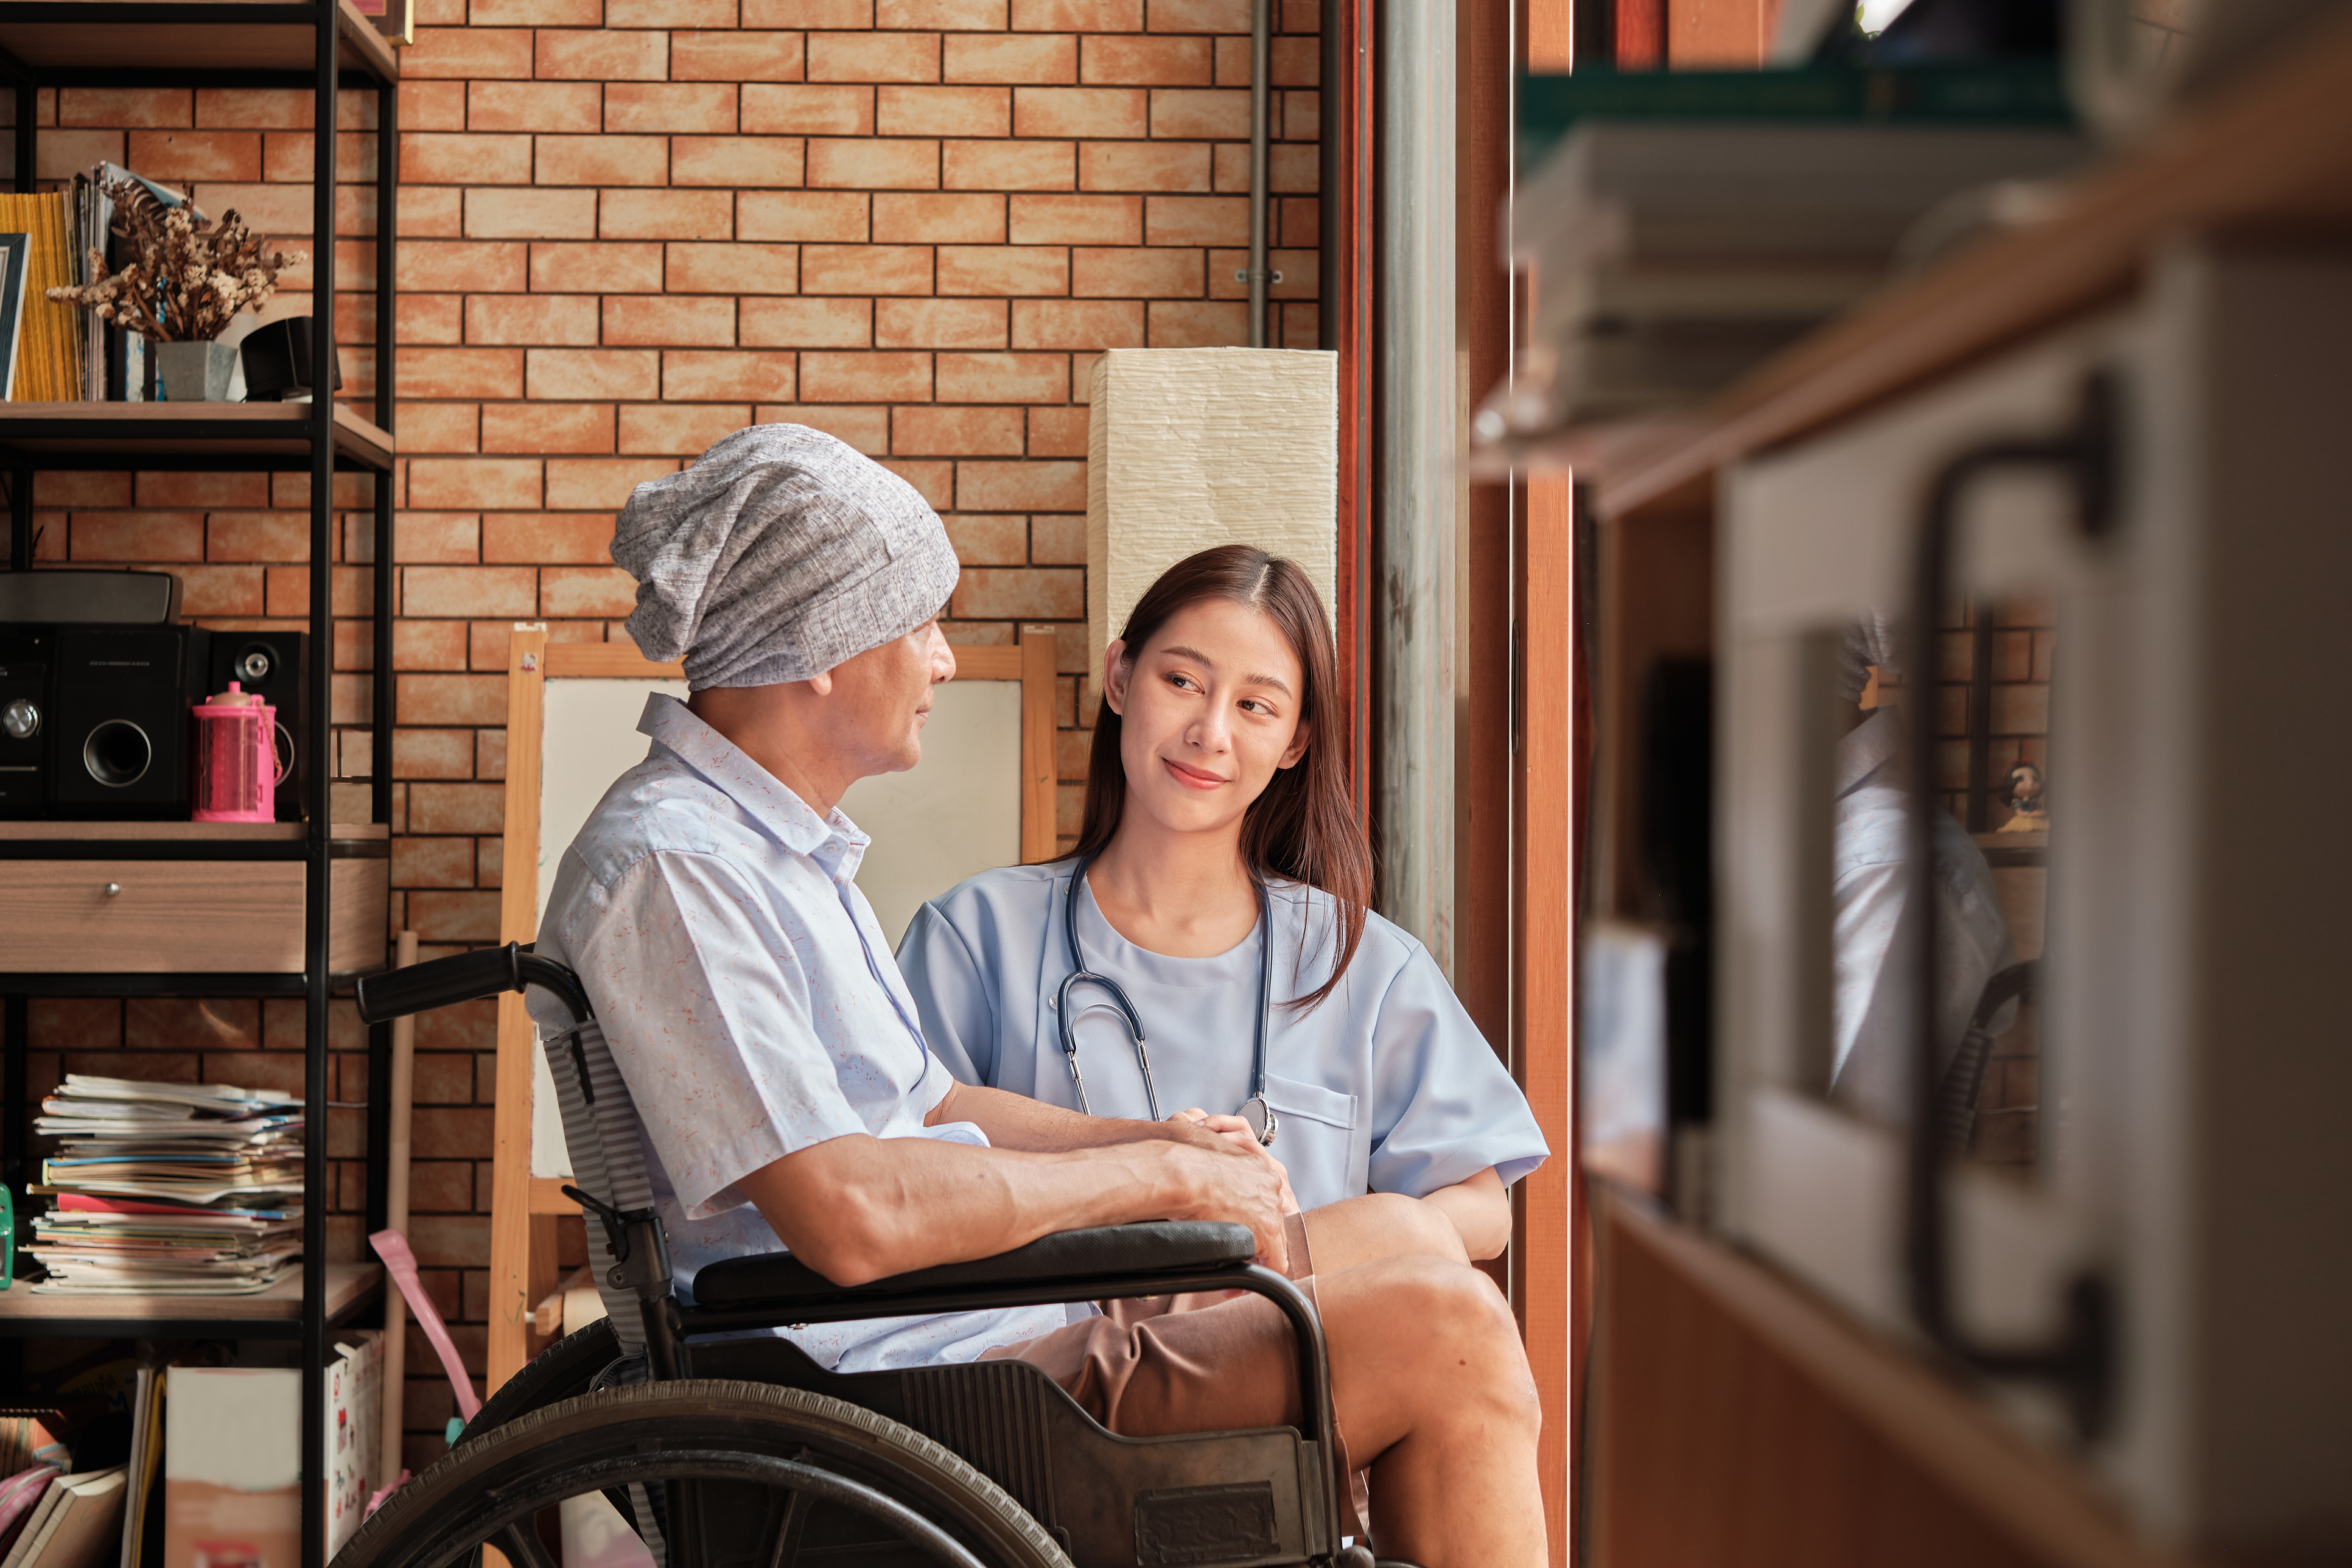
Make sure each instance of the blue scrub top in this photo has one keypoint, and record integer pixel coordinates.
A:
(1386, 1086)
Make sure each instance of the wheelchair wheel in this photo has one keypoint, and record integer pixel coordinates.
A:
(562, 1370)
(735, 1472)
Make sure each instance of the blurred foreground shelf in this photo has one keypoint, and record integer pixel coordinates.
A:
(2272, 153)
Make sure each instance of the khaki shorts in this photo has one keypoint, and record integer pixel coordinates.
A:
(1161, 1366)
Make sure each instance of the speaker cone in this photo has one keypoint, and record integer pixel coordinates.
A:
(118, 753)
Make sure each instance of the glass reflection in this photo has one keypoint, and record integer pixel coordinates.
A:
(1988, 698)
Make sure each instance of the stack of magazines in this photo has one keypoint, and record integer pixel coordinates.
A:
(168, 1188)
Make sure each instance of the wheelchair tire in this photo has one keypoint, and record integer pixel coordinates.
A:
(562, 1370)
(440, 1516)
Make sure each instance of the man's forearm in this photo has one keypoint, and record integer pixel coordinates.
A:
(860, 1208)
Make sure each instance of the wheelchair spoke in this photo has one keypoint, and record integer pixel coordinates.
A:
(520, 1542)
(783, 1543)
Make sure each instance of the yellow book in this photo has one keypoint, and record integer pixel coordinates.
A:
(49, 358)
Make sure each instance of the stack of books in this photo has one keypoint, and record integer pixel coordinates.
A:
(166, 1188)
(70, 1521)
(1684, 230)
(43, 339)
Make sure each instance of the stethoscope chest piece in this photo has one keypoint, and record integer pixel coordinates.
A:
(1264, 1124)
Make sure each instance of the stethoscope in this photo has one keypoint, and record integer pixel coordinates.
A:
(1262, 1123)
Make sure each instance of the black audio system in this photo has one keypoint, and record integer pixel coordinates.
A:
(25, 657)
(95, 682)
(121, 719)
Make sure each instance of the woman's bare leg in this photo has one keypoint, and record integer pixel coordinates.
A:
(1343, 1236)
(1433, 1391)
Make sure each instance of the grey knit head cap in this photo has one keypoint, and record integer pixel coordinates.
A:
(1876, 638)
(779, 554)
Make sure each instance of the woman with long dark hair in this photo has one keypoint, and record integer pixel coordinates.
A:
(1207, 950)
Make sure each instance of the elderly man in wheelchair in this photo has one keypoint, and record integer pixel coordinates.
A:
(851, 1302)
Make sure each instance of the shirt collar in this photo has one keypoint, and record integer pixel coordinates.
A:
(836, 844)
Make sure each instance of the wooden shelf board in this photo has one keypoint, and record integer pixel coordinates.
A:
(168, 429)
(347, 1284)
(2272, 154)
(217, 42)
(2053, 1508)
(186, 832)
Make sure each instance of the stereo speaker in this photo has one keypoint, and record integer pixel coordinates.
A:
(118, 745)
(276, 667)
(25, 720)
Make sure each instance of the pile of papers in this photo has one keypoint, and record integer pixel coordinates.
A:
(184, 1189)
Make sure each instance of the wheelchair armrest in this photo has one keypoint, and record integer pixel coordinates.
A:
(1076, 1257)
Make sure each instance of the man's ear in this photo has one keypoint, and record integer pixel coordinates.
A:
(1298, 747)
(1115, 673)
(822, 683)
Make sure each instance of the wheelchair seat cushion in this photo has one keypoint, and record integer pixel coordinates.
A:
(1076, 1255)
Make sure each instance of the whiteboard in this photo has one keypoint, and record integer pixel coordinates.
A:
(955, 814)
(590, 739)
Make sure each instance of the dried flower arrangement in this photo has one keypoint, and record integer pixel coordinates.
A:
(187, 281)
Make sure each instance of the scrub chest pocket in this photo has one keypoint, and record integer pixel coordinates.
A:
(1318, 1134)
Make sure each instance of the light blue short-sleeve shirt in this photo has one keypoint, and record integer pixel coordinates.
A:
(1386, 1086)
(749, 1001)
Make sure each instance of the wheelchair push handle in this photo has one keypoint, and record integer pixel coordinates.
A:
(469, 977)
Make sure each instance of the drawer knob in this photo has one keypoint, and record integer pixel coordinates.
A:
(113, 890)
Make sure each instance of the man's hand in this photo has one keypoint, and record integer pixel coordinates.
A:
(1243, 1185)
(1236, 1131)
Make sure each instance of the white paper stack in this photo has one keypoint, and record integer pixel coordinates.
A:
(1670, 257)
(189, 1189)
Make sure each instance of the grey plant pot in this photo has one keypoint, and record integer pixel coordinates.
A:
(192, 373)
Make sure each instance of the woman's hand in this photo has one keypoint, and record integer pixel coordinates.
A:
(1235, 1131)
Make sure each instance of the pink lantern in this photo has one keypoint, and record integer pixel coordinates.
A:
(236, 768)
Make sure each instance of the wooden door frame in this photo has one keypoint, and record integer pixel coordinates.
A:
(1548, 1285)
(525, 1210)
(1345, 303)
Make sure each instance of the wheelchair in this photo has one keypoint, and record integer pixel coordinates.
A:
(743, 1452)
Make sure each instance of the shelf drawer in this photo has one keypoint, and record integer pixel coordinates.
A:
(174, 916)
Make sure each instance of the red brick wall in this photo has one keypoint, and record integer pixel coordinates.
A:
(627, 227)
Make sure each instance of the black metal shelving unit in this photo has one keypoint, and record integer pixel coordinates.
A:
(324, 47)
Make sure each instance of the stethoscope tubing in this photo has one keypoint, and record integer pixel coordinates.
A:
(1264, 1123)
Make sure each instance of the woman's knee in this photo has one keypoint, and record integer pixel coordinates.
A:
(1474, 1338)
(1458, 1305)
(1420, 1229)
